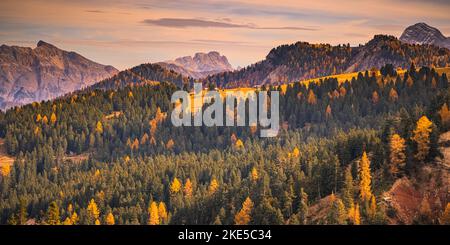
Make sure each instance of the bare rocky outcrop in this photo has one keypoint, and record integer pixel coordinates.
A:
(199, 66)
(44, 72)
(421, 33)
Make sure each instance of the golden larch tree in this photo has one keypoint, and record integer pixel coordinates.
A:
(328, 111)
(53, 216)
(373, 207)
(74, 218)
(175, 186)
(312, 100)
(153, 214)
(53, 118)
(393, 95)
(254, 174)
(239, 144)
(243, 217)
(365, 178)
(409, 81)
(397, 154)
(188, 188)
(170, 144)
(357, 217)
(5, 169)
(375, 97)
(162, 213)
(295, 152)
(99, 127)
(93, 211)
(213, 186)
(421, 135)
(110, 219)
(445, 217)
(342, 92)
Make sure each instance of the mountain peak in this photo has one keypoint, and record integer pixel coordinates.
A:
(201, 65)
(45, 72)
(422, 33)
(45, 44)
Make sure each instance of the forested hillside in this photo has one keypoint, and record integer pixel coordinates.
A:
(141, 75)
(301, 61)
(103, 156)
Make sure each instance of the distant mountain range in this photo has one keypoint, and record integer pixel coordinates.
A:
(199, 66)
(44, 72)
(422, 33)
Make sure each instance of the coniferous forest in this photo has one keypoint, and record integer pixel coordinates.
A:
(109, 154)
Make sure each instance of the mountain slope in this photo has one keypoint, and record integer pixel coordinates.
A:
(421, 33)
(44, 72)
(199, 66)
(302, 60)
(140, 75)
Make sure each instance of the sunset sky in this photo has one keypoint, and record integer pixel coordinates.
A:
(130, 32)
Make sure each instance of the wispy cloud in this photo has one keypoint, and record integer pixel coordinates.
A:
(184, 23)
(96, 11)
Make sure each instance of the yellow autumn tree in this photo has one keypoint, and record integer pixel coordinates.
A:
(295, 152)
(53, 118)
(409, 81)
(239, 144)
(188, 188)
(45, 120)
(372, 208)
(328, 111)
(93, 212)
(342, 92)
(67, 221)
(393, 95)
(162, 213)
(53, 217)
(175, 186)
(397, 154)
(110, 219)
(38, 118)
(243, 217)
(153, 214)
(213, 186)
(365, 178)
(170, 144)
(312, 100)
(421, 135)
(357, 216)
(5, 169)
(99, 127)
(74, 218)
(254, 174)
(375, 97)
(445, 217)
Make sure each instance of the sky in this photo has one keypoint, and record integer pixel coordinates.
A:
(126, 33)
